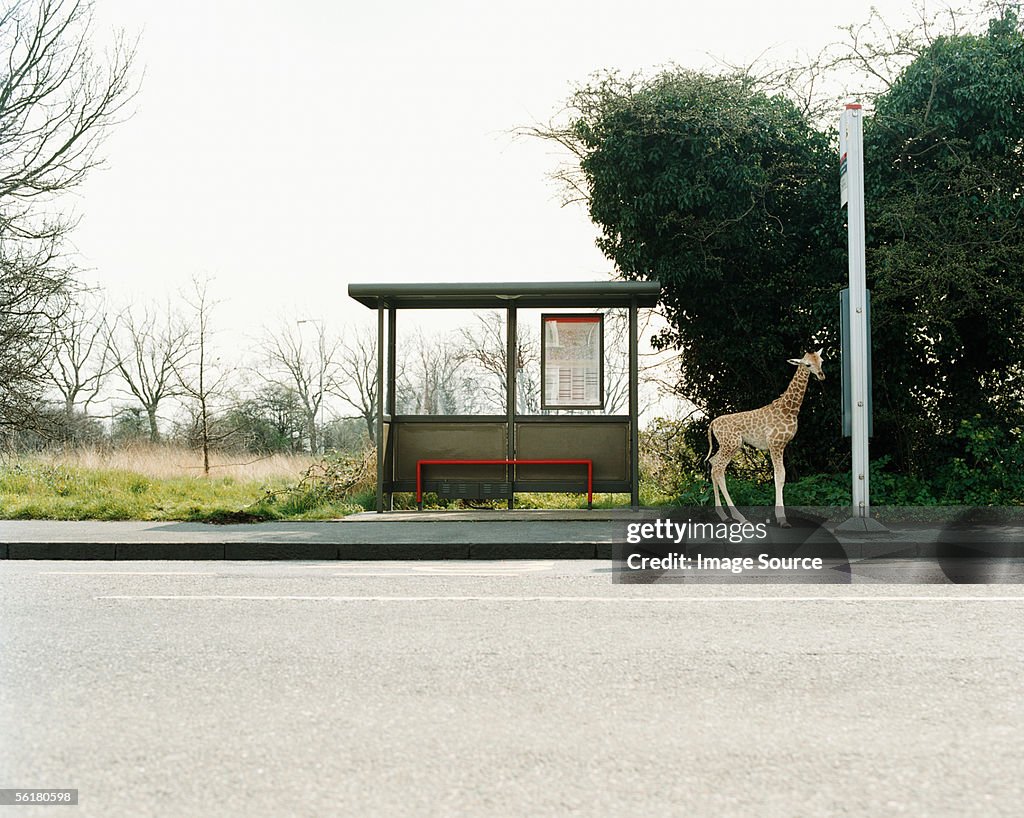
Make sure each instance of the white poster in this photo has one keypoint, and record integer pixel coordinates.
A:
(573, 352)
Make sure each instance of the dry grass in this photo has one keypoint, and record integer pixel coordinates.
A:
(162, 462)
(167, 483)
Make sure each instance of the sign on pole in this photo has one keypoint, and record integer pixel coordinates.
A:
(851, 148)
(844, 339)
(844, 188)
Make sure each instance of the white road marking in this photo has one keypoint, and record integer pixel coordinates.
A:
(497, 569)
(130, 573)
(490, 570)
(619, 599)
(424, 575)
(410, 573)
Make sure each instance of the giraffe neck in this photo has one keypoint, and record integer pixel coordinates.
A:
(791, 400)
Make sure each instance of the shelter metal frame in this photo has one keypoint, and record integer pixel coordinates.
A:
(611, 441)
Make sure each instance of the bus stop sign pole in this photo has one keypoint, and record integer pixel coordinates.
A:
(851, 148)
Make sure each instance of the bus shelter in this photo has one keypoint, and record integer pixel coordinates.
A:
(485, 457)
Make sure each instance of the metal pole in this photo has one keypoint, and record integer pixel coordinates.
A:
(380, 405)
(511, 347)
(634, 408)
(852, 139)
(392, 390)
(392, 360)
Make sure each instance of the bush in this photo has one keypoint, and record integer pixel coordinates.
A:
(334, 486)
(989, 470)
(670, 464)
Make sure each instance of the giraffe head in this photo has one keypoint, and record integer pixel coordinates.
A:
(812, 360)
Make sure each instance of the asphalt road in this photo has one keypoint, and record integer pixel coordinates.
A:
(502, 689)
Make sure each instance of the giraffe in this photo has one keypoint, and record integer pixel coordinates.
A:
(769, 428)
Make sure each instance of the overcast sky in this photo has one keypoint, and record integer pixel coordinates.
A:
(290, 149)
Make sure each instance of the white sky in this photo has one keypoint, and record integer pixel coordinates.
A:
(290, 149)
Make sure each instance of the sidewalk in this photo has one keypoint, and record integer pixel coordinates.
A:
(442, 535)
(370, 536)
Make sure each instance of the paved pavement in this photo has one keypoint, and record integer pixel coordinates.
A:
(495, 534)
(408, 535)
(519, 688)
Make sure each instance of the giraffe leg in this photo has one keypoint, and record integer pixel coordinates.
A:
(714, 486)
(780, 481)
(714, 465)
(732, 506)
(726, 451)
(718, 478)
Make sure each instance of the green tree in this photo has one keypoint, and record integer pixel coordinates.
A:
(272, 420)
(945, 184)
(727, 196)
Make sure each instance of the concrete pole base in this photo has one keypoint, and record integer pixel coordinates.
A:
(861, 525)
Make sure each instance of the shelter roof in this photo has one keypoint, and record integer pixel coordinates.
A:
(532, 294)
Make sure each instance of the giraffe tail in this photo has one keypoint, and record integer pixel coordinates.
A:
(711, 444)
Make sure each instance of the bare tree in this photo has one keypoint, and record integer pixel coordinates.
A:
(483, 347)
(81, 359)
(868, 59)
(357, 376)
(35, 293)
(199, 377)
(270, 420)
(148, 352)
(616, 363)
(654, 367)
(432, 380)
(310, 370)
(56, 104)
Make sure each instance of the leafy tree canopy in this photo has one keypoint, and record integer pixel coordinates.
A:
(727, 193)
(944, 182)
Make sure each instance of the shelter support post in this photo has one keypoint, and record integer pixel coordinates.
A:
(511, 347)
(380, 405)
(390, 394)
(634, 408)
(392, 390)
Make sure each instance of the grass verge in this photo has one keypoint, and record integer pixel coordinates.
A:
(44, 489)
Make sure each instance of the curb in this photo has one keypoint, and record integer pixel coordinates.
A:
(304, 551)
(270, 551)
